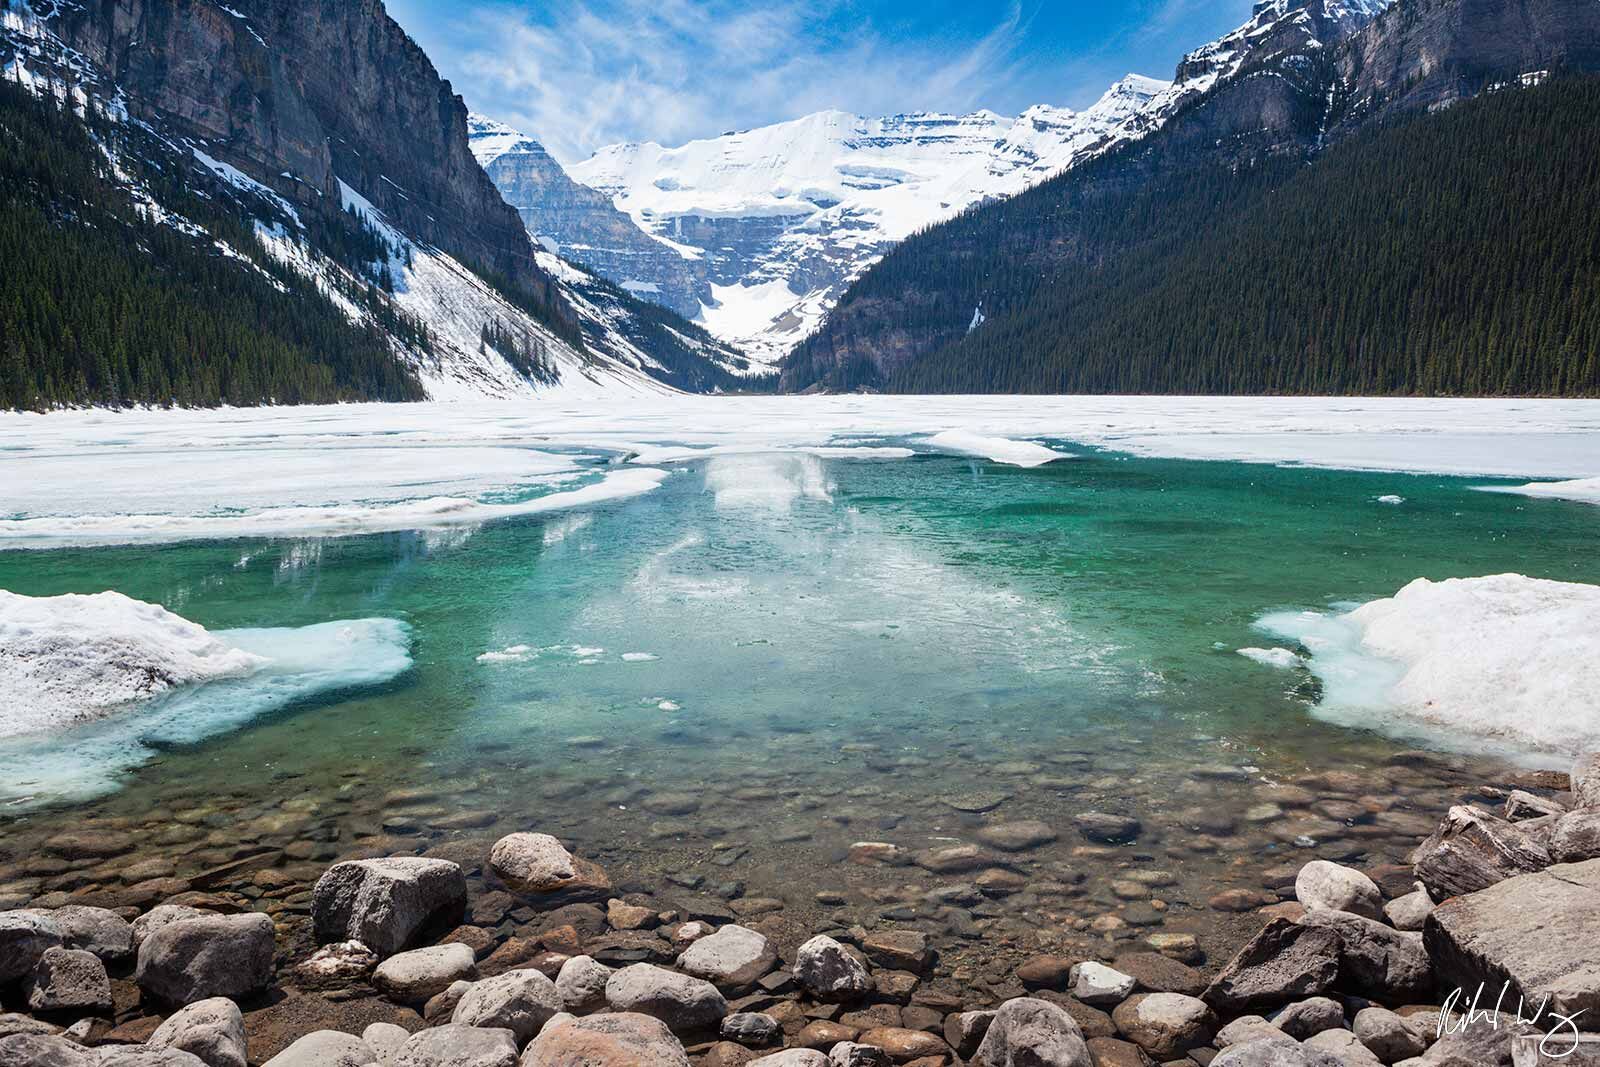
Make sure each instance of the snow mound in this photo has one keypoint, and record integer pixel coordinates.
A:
(70, 659)
(1586, 490)
(1506, 663)
(999, 449)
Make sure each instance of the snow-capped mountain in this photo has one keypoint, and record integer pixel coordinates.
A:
(764, 229)
(341, 165)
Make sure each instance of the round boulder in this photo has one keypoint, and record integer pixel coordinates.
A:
(68, 979)
(1166, 1025)
(423, 973)
(1026, 1032)
(325, 1048)
(212, 1030)
(519, 1001)
(581, 985)
(24, 937)
(538, 868)
(685, 1004)
(1332, 887)
(734, 956)
(213, 956)
(40, 1050)
(458, 1046)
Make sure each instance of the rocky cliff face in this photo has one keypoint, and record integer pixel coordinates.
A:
(582, 225)
(1430, 53)
(303, 94)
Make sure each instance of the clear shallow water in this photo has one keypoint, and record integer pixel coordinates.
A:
(836, 648)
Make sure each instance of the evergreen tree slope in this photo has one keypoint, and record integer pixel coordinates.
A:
(1453, 253)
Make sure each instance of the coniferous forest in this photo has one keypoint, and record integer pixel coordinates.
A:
(101, 303)
(1454, 253)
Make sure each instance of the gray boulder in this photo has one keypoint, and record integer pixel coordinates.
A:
(581, 985)
(415, 977)
(1410, 911)
(1027, 1032)
(1586, 780)
(855, 1054)
(325, 1048)
(145, 1056)
(733, 957)
(964, 1031)
(458, 1046)
(164, 915)
(1375, 960)
(385, 1039)
(1285, 961)
(519, 1001)
(68, 979)
(1247, 1028)
(1271, 1052)
(214, 956)
(1107, 829)
(24, 937)
(685, 1004)
(824, 968)
(1472, 850)
(1345, 1046)
(41, 1050)
(388, 904)
(97, 930)
(212, 1030)
(1386, 1035)
(792, 1057)
(751, 1028)
(1313, 1015)
(1329, 886)
(623, 1040)
(1537, 932)
(1484, 1044)
(1575, 837)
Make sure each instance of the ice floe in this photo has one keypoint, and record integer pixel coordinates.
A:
(1506, 663)
(999, 449)
(93, 686)
(1281, 658)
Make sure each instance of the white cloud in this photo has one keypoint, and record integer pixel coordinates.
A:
(580, 74)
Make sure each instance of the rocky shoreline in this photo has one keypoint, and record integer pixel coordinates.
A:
(515, 952)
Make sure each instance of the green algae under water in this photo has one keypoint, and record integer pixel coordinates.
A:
(772, 657)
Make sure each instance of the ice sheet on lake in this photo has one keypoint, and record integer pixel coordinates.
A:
(1281, 658)
(92, 687)
(329, 521)
(237, 470)
(999, 449)
(1584, 489)
(1506, 663)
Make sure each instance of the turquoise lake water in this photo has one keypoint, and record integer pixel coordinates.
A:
(773, 657)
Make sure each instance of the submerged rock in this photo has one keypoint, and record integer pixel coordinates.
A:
(538, 868)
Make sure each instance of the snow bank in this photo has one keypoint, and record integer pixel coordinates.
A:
(1507, 663)
(93, 686)
(332, 521)
(71, 659)
(1584, 489)
(999, 449)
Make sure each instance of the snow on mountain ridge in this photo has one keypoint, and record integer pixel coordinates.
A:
(787, 215)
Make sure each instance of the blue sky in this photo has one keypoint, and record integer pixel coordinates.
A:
(579, 74)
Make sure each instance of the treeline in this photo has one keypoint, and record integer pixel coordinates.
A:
(101, 302)
(1447, 254)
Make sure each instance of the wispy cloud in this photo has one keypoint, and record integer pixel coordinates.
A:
(579, 74)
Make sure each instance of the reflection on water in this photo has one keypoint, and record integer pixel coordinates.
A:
(719, 688)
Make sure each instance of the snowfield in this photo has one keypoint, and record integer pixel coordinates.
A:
(99, 477)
